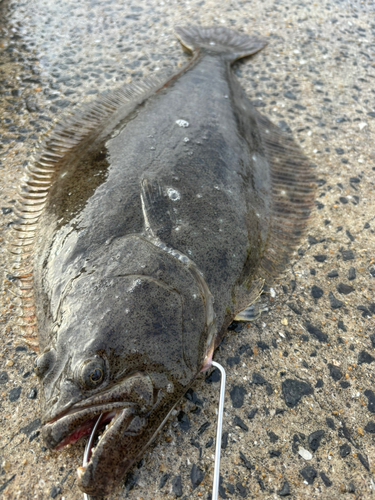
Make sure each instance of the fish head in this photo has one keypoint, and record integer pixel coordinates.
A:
(120, 353)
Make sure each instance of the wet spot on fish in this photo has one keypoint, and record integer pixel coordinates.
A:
(186, 139)
(173, 194)
(182, 123)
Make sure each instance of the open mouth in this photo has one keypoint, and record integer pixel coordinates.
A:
(116, 421)
(87, 427)
(77, 423)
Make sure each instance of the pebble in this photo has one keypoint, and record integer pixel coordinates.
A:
(34, 435)
(335, 303)
(214, 376)
(252, 413)
(31, 427)
(196, 476)
(315, 438)
(4, 377)
(258, 378)
(289, 95)
(364, 461)
(6, 210)
(305, 454)
(235, 360)
(340, 324)
(273, 437)
(242, 490)
(320, 258)
(335, 372)
(325, 480)
(55, 490)
(183, 421)
(370, 427)
(365, 357)
(190, 395)
(344, 289)
(308, 474)
(177, 486)
(371, 400)
(333, 274)
(238, 422)
(209, 443)
(33, 393)
(246, 462)
(203, 428)
(237, 395)
(285, 490)
(293, 391)
(316, 332)
(14, 394)
(164, 478)
(344, 450)
(347, 255)
(274, 453)
(316, 292)
(224, 440)
(352, 274)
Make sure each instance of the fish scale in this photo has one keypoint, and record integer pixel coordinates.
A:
(149, 221)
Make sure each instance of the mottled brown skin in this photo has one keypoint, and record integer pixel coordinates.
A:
(110, 299)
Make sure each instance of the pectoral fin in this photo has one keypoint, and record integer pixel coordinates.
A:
(157, 211)
(251, 313)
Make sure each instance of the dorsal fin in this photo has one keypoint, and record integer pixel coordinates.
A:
(83, 126)
(292, 196)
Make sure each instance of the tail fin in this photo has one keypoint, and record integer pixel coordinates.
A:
(220, 40)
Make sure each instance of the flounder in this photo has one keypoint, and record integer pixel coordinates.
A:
(149, 222)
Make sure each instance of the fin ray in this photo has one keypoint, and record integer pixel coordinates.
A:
(81, 127)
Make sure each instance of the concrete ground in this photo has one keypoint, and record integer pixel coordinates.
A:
(300, 399)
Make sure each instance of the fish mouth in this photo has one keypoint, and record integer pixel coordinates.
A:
(112, 452)
(124, 411)
(69, 428)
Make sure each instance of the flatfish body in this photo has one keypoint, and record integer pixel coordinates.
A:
(149, 222)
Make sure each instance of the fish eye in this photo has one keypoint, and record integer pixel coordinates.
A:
(44, 362)
(91, 373)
